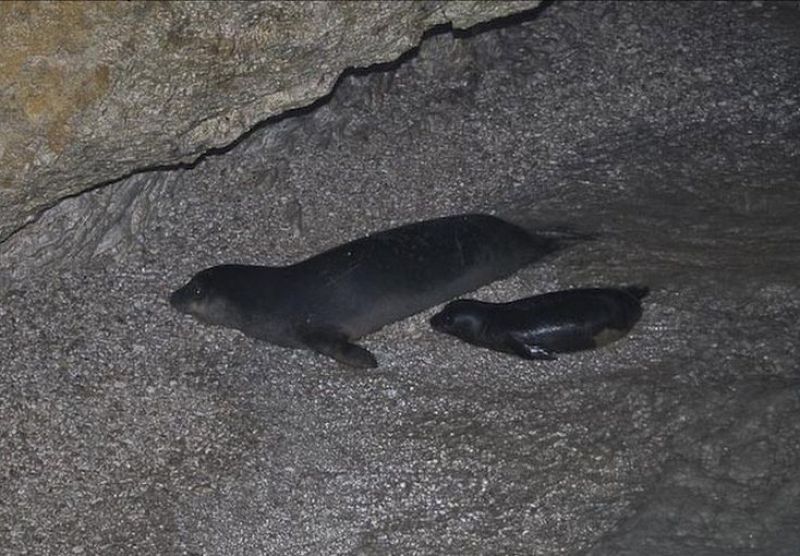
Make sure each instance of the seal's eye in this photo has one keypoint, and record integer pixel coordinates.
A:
(197, 291)
(466, 324)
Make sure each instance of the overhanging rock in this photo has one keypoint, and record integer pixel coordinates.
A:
(90, 92)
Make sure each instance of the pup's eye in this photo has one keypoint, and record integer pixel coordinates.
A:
(197, 292)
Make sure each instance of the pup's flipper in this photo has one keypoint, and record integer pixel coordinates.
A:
(527, 350)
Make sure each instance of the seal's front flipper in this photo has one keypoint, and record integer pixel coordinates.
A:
(337, 346)
(527, 350)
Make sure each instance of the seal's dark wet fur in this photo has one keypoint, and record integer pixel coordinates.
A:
(540, 326)
(327, 301)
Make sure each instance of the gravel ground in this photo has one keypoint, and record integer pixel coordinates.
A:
(671, 129)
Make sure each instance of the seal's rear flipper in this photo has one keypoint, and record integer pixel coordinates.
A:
(563, 234)
(559, 231)
(528, 351)
(551, 239)
(337, 346)
(639, 292)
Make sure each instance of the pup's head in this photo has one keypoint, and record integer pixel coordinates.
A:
(462, 318)
(212, 296)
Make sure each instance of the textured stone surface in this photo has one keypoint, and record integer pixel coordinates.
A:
(671, 128)
(91, 91)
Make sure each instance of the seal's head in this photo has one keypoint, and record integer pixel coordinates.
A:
(213, 296)
(462, 318)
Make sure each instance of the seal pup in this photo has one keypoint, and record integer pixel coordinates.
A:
(329, 300)
(540, 326)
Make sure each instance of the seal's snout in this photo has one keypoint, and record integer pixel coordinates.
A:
(441, 321)
(445, 320)
(179, 299)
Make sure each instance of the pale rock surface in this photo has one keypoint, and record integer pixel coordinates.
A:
(93, 91)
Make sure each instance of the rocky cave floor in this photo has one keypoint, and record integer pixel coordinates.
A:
(670, 129)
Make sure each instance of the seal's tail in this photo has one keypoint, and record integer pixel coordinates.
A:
(552, 239)
(639, 292)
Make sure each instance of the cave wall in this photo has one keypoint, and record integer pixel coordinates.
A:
(92, 91)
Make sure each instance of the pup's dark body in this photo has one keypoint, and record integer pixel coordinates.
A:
(537, 327)
(326, 301)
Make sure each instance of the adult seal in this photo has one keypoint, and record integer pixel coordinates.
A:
(539, 327)
(328, 301)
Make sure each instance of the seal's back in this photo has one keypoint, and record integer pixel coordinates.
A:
(386, 276)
